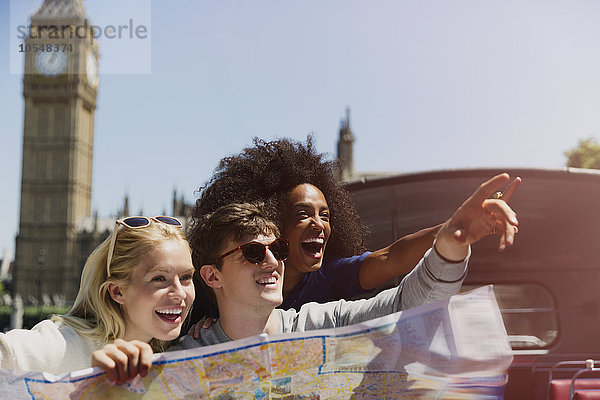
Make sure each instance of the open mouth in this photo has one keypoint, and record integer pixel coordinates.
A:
(313, 247)
(170, 315)
(267, 281)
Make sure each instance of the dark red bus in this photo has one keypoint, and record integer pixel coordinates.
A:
(547, 284)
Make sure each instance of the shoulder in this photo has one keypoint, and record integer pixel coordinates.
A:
(32, 349)
(287, 320)
(334, 262)
(46, 330)
(344, 275)
(73, 338)
(49, 346)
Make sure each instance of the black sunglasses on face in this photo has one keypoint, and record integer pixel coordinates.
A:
(256, 252)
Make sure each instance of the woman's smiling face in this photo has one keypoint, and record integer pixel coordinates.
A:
(307, 226)
(159, 294)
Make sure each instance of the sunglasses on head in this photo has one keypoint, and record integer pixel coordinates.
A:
(136, 223)
(256, 252)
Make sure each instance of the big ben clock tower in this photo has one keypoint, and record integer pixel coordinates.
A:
(59, 86)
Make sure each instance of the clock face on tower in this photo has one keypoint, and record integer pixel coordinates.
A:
(91, 69)
(51, 63)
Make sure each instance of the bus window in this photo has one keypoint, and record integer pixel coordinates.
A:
(529, 314)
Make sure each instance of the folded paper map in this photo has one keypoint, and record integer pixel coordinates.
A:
(452, 349)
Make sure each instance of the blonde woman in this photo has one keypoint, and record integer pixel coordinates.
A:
(136, 286)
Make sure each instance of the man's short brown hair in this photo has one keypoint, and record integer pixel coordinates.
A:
(232, 222)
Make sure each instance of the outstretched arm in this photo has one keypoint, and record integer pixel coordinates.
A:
(401, 256)
(397, 259)
(437, 276)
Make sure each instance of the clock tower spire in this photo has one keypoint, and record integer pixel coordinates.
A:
(60, 88)
(345, 149)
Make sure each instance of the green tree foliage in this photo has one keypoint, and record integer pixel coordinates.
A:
(31, 315)
(585, 155)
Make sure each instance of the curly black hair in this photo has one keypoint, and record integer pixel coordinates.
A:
(267, 172)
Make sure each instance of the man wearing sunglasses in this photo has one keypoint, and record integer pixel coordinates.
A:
(240, 258)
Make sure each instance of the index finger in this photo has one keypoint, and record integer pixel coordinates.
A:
(511, 189)
(490, 186)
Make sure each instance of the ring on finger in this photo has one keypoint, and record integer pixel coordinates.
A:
(497, 195)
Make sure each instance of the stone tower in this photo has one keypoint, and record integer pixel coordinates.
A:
(59, 87)
(345, 149)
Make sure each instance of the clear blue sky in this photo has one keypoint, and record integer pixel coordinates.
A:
(432, 84)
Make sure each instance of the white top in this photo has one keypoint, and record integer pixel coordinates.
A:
(48, 347)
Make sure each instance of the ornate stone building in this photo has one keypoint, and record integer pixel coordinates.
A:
(60, 88)
(57, 230)
(345, 155)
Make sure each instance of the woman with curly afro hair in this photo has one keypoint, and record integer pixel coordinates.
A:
(327, 259)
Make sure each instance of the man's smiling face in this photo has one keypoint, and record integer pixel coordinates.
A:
(248, 284)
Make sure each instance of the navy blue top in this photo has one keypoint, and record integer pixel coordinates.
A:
(336, 279)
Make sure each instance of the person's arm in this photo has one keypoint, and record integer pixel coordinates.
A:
(401, 256)
(7, 356)
(439, 274)
(397, 259)
(42, 348)
(433, 278)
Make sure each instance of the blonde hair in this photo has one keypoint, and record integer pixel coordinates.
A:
(95, 314)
